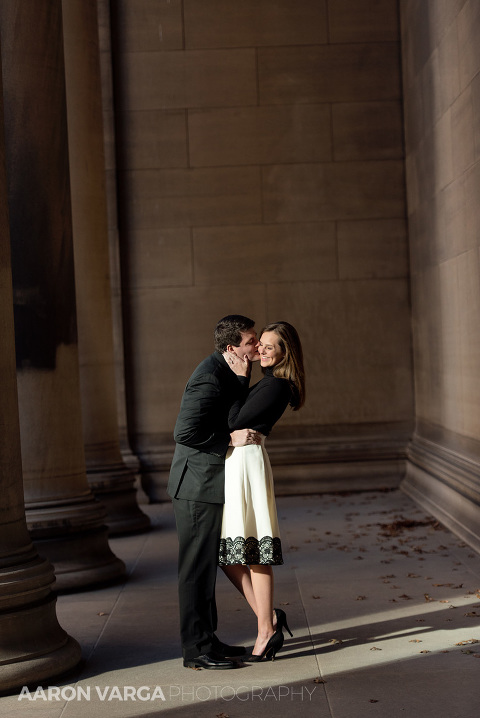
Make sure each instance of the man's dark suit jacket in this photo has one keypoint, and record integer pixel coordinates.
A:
(201, 432)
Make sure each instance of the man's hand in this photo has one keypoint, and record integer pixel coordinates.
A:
(240, 367)
(242, 437)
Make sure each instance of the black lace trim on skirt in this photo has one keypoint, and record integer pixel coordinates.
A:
(248, 551)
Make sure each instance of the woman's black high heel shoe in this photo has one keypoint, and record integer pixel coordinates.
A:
(273, 646)
(282, 620)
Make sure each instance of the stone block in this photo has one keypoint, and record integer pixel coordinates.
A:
(159, 258)
(448, 223)
(450, 350)
(448, 81)
(212, 23)
(265, 253)
(346, 190)
(259, 135)
(427, 343)
(198, 78)
(443, 152)
(440, 78)
(469, 291)
(367, 131)
(372, 249)
(356, 341)
(155, 139)
(468, 59)
(442, 17)
(184, 318)
(330, 73)
(414, 114)
(188, 197)
(148, 25)
(363, 20)
(411, 183)
(470, 183)
(462, 132)
(417, 16)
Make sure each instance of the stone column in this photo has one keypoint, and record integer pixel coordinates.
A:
(32, 644)
(64, 519)
(106, 70)
(110, 479)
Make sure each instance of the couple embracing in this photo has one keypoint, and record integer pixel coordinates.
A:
(222, 487)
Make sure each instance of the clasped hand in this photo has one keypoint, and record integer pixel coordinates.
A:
(243, 437)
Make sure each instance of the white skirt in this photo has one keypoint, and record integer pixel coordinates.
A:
(250, 533)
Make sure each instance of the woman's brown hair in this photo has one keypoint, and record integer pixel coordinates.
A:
(291, 366)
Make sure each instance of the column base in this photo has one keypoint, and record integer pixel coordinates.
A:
(33, 646)
(114, 488)
(74, 538)
(82, 560)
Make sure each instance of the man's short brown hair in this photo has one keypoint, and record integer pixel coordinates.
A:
(229, 331)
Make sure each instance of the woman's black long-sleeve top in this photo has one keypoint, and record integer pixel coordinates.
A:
(265, 404)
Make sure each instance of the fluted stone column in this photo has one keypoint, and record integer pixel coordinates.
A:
(65, 521)
(106, 71)
(33, 646)
(109, 478)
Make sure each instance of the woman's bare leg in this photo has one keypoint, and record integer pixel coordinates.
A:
(262, 585)
(239, 575)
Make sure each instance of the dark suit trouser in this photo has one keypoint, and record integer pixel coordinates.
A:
(198, 527)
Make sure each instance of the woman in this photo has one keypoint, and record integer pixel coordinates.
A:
(250, 540)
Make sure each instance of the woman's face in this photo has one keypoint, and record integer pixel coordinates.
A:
(269, 350)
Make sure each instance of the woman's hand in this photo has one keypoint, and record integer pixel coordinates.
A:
(239, 366)
(242, 437)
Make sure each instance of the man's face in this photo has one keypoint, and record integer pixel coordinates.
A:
(248, 346)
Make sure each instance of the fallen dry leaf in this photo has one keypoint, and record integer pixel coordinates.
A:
(424, 651)
(318, 680)
(374, 648)
(415, 640)
(469, 640)
(361, 598)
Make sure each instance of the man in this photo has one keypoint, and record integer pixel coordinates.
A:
(196, 484)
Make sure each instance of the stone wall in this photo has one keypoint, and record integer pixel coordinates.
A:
(261, 171)
(441, 63)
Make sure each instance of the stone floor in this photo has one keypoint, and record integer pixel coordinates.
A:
(383, 602)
